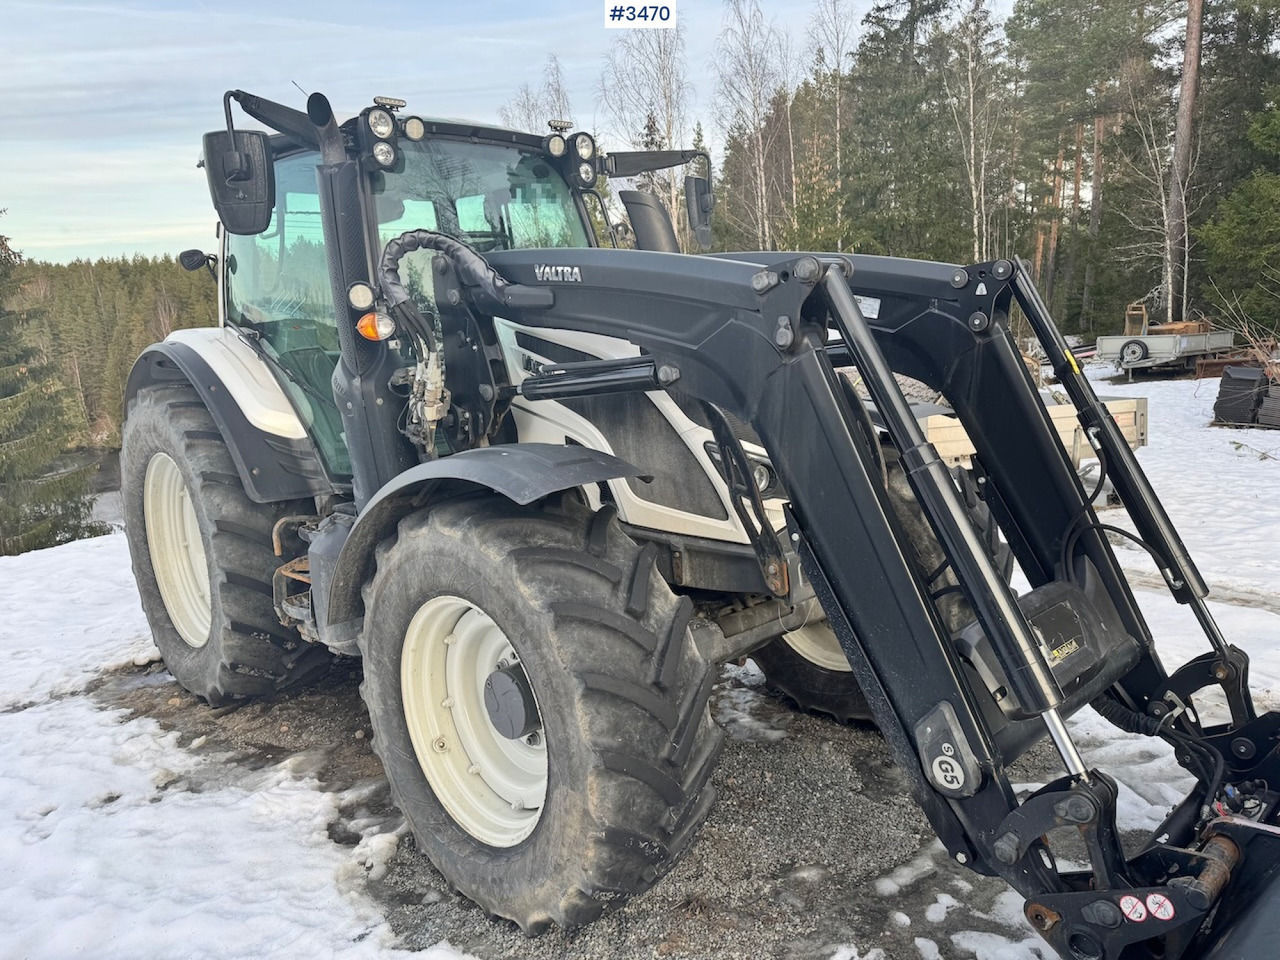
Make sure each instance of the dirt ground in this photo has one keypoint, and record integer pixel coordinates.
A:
(813, 850)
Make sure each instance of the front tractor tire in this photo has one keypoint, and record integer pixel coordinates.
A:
(202, 554)
(539, 705)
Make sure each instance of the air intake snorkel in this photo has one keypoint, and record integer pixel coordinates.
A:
(328, 136)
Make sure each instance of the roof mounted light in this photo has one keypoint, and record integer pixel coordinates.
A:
(555, 145)
(384, 153)
(414, 128)
(391, 103)
(382, 124)
(360, 295)
(584, 148)
(560, 126)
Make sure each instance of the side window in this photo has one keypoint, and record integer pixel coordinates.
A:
(278, 281)
(278, 285)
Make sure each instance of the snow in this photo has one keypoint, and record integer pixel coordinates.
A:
(117, 843)
(1220, 486)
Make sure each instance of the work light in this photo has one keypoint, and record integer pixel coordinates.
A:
(555, 145)
(384, 153)
(414, 128)
(584, 146)
(382, 124)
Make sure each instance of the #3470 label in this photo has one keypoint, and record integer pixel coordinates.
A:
(640, 15)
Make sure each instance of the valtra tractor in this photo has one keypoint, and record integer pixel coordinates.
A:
(544, 487)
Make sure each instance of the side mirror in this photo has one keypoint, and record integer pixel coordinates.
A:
(699, 201)
(195, 259)
(242, 180)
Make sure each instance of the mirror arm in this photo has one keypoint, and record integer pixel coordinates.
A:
(235, 164)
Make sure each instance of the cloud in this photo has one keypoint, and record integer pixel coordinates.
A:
(104, 103)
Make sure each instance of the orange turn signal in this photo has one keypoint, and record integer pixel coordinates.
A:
(375, 326)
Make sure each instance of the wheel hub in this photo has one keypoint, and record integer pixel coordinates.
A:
(508, 698)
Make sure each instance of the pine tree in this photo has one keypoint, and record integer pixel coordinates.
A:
(42, 504)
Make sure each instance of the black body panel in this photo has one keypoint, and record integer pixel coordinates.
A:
(522, 472)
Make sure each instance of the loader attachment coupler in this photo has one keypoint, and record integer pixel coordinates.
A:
(759, 337)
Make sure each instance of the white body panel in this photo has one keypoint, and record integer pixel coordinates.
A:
(246, 378)
(545, 421)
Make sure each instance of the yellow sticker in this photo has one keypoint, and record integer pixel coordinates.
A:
(1072, 360)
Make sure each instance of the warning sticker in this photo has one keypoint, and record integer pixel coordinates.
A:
(1161, 907)
(1133, 908)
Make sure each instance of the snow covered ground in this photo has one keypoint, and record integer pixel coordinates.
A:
(116, 842)
(120, 839)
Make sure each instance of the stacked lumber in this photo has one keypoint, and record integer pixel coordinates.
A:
(1269, 411)
(1240, 394)
(1180, 328)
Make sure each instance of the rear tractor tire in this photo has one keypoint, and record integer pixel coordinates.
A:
(809, 667)
(202, 554)
(539, 705)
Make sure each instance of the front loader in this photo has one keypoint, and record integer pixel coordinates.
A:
(544, 488)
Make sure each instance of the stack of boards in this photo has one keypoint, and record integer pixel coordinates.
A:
(1269, 412)
(1247, 396)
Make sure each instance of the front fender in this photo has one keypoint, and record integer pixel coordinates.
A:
(273, 454)
(521, 472)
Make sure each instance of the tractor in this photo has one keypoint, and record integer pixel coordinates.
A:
(544, 486)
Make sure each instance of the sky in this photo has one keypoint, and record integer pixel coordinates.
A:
(102, 105)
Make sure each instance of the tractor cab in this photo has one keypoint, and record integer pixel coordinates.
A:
(285, 280)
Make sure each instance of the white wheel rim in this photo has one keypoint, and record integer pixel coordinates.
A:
(494, 788)
(817, 643)
(177, 550)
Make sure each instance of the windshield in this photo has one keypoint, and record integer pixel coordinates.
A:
(493, 197)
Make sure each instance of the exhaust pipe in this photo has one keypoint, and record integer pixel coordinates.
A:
(320, 113)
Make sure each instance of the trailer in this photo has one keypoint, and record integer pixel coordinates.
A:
(1162, 349)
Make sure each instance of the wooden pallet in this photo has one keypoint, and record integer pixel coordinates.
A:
(948, 435)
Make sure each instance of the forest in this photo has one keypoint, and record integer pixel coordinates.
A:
(1129, 150)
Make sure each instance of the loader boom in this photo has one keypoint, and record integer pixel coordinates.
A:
(751, 337)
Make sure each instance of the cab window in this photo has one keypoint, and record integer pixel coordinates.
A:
(277, 285)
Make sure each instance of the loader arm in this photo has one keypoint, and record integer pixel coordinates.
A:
(750, 336)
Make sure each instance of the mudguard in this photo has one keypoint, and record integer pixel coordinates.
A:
(521, 472)
(273, 454)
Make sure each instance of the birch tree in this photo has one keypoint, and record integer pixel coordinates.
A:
(645, 92)
(747, 57)
(531, 107)
(974, 98)
(831, 33)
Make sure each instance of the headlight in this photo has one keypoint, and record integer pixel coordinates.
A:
(555, 145)
(382, 124)
(414, 128)
(384, 153)
(762, 476)
(584, 146)
(586, 173)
